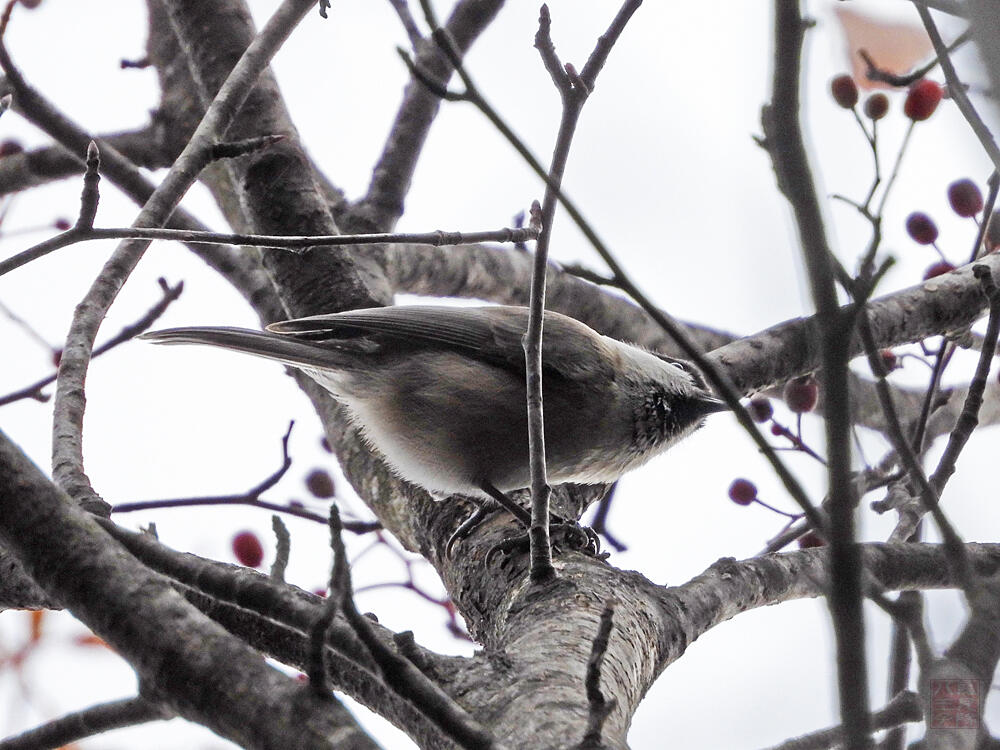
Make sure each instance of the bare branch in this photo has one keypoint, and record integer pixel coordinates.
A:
(436, 238)
(903, 708)
(79, 725)
(67, 464)
(126, 334)
(784, 143)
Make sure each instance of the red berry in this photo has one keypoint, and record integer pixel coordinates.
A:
(845, 91)
(801, 394)
(921, 228)
(965, 198)
(742, 491)
(877, 106)
(939, 268)
(61, 224)
(56, 357)
(247, 549)
(777, 430)
(810, 539)
(760, 408)
(922, 99)
(320, 484)
(889, 359)
(10, 147)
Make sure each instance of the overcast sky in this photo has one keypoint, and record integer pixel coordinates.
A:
(666, 169)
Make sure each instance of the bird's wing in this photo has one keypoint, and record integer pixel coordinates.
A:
(492, 334)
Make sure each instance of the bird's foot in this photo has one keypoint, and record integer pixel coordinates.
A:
(564, 536)
(470, 524)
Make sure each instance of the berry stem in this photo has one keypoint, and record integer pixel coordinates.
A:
(796, 441)
(895, 167)
(793, 516)
(877, 179)
(861, 124)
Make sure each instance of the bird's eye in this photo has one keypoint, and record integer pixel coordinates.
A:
(684, 365)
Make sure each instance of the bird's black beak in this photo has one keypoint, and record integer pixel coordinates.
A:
(711, 404)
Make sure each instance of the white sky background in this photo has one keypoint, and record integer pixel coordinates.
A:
(664, 167)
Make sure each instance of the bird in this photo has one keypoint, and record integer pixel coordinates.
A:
(439, 391)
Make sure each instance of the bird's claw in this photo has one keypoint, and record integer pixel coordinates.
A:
(565, 536)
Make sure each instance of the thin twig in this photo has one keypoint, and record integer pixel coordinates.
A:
(283, 542)
(402, 8)
(942, 358)
(784, 142)
(715, 376)
(392, 175)
(356, 527)
(79, 725)
(251, 497)
(126, 334)
(991, 199)
(91, 192)
(574, 92)
(899, 668)
(902, 709)
(968, 420)
(243, 274)
(895, 169)
(875, 73)
(437, 238)
(70, 404)
(956, 87)
(340, 583)
(952, 542)
(398, 673)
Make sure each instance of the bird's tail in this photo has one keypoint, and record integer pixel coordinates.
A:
(273, 346)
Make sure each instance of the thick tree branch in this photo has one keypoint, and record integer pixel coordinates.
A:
(383, 204)
(198, 670)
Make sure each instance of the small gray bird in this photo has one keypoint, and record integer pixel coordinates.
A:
(440, 391)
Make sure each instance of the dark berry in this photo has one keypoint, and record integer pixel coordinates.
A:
(939, 268)
(845, 91)
(247, 549)
(760, 408)
(801, 394)
(742, 491)
(10, 147)
(61, 224)
(56, 357)
(921, 228)
(965, 198)
(922, 99)
(889, 359)
(320, 484)
(777, 430)
(810, 539)
(877, 106)
(325, 444)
